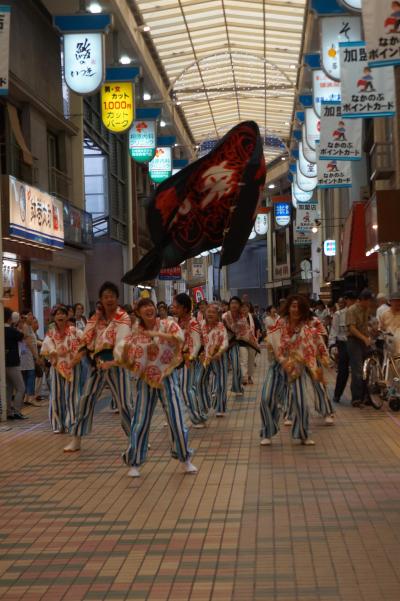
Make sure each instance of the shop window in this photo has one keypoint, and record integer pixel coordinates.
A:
(96, 182)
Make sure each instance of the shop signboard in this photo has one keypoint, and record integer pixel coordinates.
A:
(307, 168)
(302, 238)
(311, 128)
(171, 273)
(118, 105)
(354, 5)
(366, 92)
(309, 154)
(305, 182)
(341, 139)
(84, 68)
(306, 215)
(198, 268)
(299, 195)
(334, 174)
(324, 88)
(330, 248)
(78, 227)
(160, 168)
(5, 13)
(198, 294)
(35, 216)
(382, 32)
(261, 223)
(282, 213)
(334, 30)
(143, 140)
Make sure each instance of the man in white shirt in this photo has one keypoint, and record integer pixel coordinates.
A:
(382, 306)
(338, 338)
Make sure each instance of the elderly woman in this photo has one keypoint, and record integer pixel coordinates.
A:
(60, 348)
(153, 351)
(295, 378)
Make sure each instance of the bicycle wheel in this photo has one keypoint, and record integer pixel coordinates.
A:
(373, 387)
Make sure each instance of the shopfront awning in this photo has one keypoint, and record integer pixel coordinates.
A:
(354, 243)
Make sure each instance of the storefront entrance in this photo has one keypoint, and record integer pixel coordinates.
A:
(50, 287)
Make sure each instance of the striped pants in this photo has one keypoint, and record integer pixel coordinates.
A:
(187, 380)
(234, 359)
(272, 400)
(172, 404)
(117, 379)
(219, 369)
(64, 398)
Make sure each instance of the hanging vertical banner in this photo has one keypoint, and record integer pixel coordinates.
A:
(341, 139)
(324, 88)
(4, 48)
(307, 168)
(261, 223)
(382, 32)
(334, 30)
(354, 5)
(309, 154)
(305, 183)
(299, 195)
(84, 68)
(306, 215)
(366, 92)
(160, 168)
(117, 105)
(311, 127)
(334, 174)
(282, 213)
(143, 141)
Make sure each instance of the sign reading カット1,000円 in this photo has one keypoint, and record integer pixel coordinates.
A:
(142, 141)
(117, 105)
(160, 168)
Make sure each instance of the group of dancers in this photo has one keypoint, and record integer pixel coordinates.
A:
(182, 361)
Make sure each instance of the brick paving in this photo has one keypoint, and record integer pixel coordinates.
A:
(285, 523)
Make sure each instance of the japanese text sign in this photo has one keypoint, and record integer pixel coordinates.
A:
(324, 88)
(382, 32)
(143, 141)
(366, 92)
(117, 105)
(333, 31)
(261, 224)
(301, 238)
(160, 168)
(299, 195)
(282, 213)
(306, 167)
(341, 139)
(171, 273)
(330, 248)
(309, 154)
(35, 216)
(304, 182)
(306, 215)
(311, 128)
(4, 48)
(84, 61)
(334, 174)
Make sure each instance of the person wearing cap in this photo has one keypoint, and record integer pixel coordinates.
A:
(358, 341)
(390, 320)
(382, 306)
(338, 338)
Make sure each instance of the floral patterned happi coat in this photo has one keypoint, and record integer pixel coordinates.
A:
(215, 341)
(64, 346)
(191, 329)
(302, 347)
(240, 330)
(100, 334)
(151, 359)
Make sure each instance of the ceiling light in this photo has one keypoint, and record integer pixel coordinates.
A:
(125, 60)
(146, 96)
(314, 230)
(94, 8)
(145, 28)
(271, 186)
(283, 158)
(176, 144)
(178, 103)
(287, 123)
(292, 66)
(375, 226)
(162, 123)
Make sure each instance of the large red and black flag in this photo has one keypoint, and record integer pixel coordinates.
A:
(211, 202)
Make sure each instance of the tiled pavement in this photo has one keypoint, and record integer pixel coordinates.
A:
(285, 523)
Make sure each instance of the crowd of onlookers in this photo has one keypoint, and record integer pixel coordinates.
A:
(351, 323)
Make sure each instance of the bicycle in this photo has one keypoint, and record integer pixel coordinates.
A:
(381, 375)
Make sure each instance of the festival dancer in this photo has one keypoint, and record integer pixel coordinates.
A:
(182, 308)
(295, 376)
(102, 332)
(152, 351)
(214, 359)
(60, 348)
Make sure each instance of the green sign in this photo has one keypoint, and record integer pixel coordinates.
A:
(143, 141)
(160, 168)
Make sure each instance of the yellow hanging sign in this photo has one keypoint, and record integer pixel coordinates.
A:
(118, 105)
